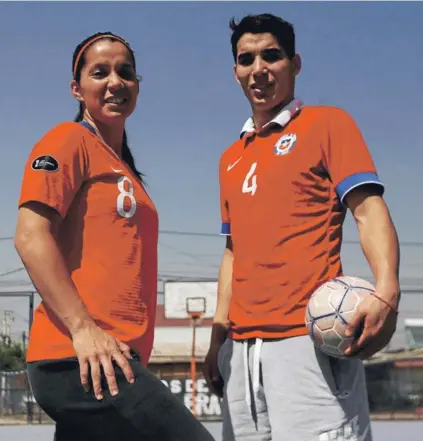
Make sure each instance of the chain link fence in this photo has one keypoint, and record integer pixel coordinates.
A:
(395, 390)
(17, 404)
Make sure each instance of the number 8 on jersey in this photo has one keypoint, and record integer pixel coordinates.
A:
(126, 194)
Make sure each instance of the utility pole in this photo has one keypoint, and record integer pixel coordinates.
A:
(24, 341)
(6, 326)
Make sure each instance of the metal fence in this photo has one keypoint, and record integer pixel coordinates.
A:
(396, 386)
(386, 398)
(17, 404)
(395, 392)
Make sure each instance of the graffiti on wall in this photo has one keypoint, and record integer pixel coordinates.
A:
(207, 404)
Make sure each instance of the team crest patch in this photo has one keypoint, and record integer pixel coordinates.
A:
(285, 144)
(46, 162)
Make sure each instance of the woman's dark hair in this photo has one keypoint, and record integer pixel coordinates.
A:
(126, 152)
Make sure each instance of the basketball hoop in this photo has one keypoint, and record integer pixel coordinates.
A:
(180, 298)
(194, 300)
(196, 307)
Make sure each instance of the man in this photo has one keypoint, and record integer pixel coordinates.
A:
(285, 187)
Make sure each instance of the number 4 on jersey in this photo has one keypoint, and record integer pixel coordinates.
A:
(250, 182)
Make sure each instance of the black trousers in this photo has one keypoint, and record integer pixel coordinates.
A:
(143, 411)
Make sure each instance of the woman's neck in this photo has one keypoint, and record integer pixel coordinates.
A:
(110, 135)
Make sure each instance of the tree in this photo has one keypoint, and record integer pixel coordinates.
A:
(12, 356)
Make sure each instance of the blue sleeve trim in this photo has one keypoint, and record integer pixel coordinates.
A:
(356, 180)
(226, 229)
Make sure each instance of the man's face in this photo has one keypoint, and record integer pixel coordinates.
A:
(265, 73)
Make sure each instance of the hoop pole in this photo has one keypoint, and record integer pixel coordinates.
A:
(31, 310)
(194, 319)
(30, 415)
(193, 367)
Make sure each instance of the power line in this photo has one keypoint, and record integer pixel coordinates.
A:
(407, 243)
(13, 271)
(189, 233)
(169, 270)
(196, 257)
(172, 232)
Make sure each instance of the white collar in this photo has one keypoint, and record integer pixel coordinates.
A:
(282, 118)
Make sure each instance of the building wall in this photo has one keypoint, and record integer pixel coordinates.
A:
(177, 377)
(172, 354)
(175, 336)
(411, 306)
(394, 387)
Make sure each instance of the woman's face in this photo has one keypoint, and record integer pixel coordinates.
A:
(108, 86)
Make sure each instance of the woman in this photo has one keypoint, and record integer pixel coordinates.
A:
(87, 234)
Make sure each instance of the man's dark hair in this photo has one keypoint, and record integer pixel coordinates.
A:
(282, 30)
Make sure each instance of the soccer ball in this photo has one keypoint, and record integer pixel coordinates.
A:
(330, 308)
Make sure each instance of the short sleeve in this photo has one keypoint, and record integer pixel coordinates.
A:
(348, 160)
(56, 169)
(224, 205)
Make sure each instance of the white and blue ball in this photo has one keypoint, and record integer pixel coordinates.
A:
(329, 310)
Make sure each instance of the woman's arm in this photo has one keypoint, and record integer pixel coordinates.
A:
(36, 242)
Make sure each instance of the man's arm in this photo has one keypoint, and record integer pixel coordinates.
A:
(224, 292)
(379, 240)
(380, 245)
(220, 322)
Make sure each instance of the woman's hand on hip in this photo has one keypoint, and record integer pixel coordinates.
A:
(96, 350)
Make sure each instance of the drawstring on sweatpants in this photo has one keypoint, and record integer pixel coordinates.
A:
(255, 372)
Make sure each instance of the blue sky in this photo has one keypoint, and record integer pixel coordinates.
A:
(364, 57)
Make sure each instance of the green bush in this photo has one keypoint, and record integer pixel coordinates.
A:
(12, 356)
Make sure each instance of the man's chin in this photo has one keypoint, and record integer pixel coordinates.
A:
(263, 105)
(268, 105)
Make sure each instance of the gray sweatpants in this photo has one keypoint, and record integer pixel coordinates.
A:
(288, 390)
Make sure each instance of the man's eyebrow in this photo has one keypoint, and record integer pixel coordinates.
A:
(266, 50)
(273, 49)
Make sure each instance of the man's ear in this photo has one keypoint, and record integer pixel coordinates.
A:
(296, 64)
(139, 79)
(236, 76)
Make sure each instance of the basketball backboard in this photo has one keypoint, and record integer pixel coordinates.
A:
(183, 298)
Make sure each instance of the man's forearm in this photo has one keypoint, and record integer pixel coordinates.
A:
(224, 292)
(380, 245)
(224, 288)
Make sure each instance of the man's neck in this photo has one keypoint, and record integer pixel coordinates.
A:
(261, 118)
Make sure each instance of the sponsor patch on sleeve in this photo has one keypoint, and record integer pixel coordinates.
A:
(46, 163)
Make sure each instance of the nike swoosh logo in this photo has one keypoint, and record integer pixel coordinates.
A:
(117, 170)
(230, 166)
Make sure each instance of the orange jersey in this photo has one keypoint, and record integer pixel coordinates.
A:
(282, 190)
(108, 238)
